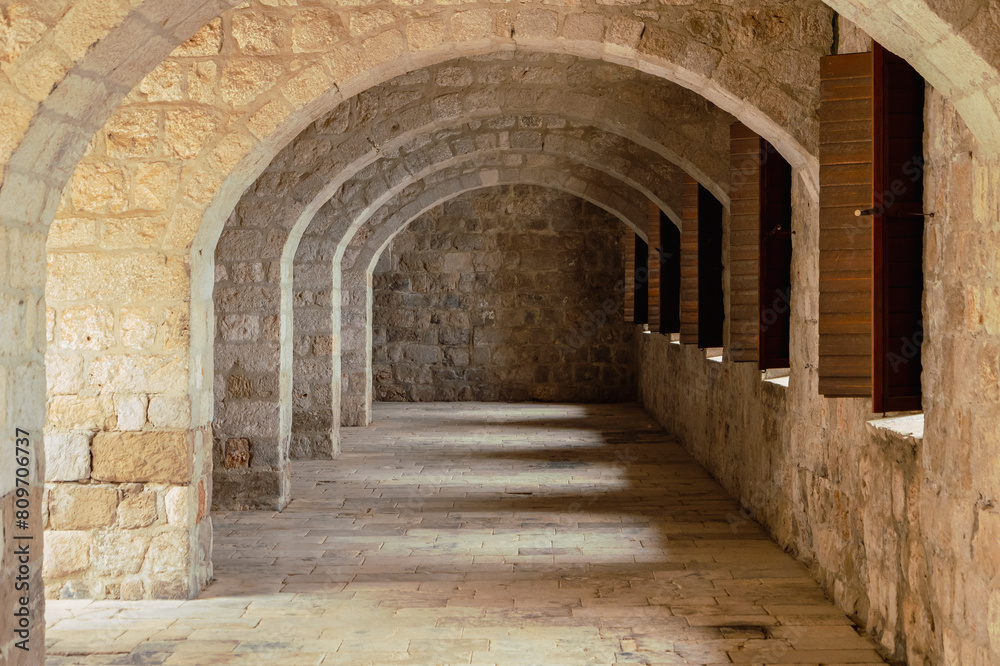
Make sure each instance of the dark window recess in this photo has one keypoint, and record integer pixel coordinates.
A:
(710, 293)
(670, 276)
(641, 281)
(898, 232)
(775, 258)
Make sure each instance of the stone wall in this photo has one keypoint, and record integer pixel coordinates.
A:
(488, 298)
(126, 514)
(209, 116)
(901, 529)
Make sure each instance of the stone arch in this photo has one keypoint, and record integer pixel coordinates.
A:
(25, 234)
(363, 251)
(950, 44)
(204, 128)
(254, 411)
(306, 173)
(539, 26)
(245, 122)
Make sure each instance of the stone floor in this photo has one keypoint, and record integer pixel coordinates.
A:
(485, 534)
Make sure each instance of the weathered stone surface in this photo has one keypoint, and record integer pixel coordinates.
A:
(168, 552)
(170, 412)
(86, 327)
(254, 489)
(505, 305)
(142, 457)
(67, 456)
(77, 507)
(137, 509)
(66, 553)
(131, 412)
(237, 453)
(119, 553)
(178, 505)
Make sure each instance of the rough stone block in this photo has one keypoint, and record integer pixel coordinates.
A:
(131, 411)
(170, 411)
(77, 507)
(65, 553)
(67, 456)
(237, 453)
(142, 457)
(178, 505)
(168, 552)
(119, 553)
(137, 509)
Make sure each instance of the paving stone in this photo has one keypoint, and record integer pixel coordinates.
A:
(489, 571)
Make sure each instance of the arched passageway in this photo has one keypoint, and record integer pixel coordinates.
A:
(578, 533)
(158, 135)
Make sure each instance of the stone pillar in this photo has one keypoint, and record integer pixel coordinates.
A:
(252, 436)
(128, 513)
(315, 368)
(128, 474)
(355, 357)
(22, 400)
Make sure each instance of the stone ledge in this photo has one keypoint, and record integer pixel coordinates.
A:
(909, 427)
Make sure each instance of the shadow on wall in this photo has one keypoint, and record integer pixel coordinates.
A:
(505, 294)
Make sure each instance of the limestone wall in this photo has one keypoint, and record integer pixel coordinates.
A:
(205, 121)
(901, 530)
(488, 297)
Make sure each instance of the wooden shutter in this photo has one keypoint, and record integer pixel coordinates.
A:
(845, 241)
(744, 243)
(641, 297)
(898, 233)
(653, 236)
(670, 276)
(689, 263)
(775, 259)
(629, 275)
(711, 297)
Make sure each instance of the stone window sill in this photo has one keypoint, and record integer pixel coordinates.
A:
(910, 426)
(776, 376)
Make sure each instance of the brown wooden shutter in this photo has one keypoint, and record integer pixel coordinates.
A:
(845, 288)
(689, 263)
(775, 259)
(744, 243)
(653, 236)
(711, 296)
(898, 233)
(670, 276)
(629, 275)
